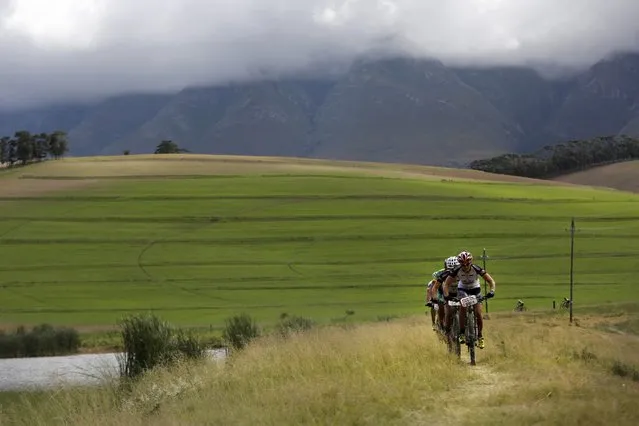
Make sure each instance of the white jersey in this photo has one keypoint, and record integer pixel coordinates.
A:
(467, 280)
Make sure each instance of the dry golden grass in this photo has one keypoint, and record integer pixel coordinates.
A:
(622, 176)
(199, 164)
(535, 370)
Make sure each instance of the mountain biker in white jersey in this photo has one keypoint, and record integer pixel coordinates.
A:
(434, 294)
(467, 276)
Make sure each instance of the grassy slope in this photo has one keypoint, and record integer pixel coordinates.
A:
(623, 176)
(308, 237)
(536, 369)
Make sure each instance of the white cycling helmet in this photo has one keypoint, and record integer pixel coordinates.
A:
(452, 262)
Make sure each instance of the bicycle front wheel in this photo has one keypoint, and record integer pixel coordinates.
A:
(471, 338)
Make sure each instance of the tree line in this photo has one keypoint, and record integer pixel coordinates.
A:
(554, 160)
(24, 147)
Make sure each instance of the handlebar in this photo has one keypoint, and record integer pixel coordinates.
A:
(456, 301)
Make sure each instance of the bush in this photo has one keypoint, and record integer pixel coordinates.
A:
(189, 345)
(150, 342)
(42, 340)
(240, 330)
(294, 324)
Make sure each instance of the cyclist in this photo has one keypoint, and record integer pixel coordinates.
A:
(467, 276)
(437, 289)
(431, 301)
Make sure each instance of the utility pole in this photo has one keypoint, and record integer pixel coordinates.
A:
(483, 258)
(572, 259)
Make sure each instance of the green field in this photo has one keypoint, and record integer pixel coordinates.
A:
(198, 247)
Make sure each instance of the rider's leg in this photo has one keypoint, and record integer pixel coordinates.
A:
(447, 317)
(480, 325)
(432, 316)
(480, 319)
(441, 314)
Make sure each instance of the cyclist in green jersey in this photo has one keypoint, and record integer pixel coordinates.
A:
(435, 295)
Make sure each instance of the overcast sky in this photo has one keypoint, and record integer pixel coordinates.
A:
(55, 50)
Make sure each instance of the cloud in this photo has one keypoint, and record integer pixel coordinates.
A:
(74, 49)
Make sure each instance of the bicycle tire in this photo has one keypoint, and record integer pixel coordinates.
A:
(455, 333)
(471, 332)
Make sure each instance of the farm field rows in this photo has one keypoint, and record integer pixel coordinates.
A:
(200, 248)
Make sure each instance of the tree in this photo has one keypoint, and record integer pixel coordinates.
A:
(168, 147)
(24, 146)
(58, 144)
(12, 154)
(40, 146)
(553, 160)
(4, 150)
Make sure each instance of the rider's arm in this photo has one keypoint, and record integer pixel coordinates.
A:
(429, 289)
(490, 281)
(449, 280)
(436, 284)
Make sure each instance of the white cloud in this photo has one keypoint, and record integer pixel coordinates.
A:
(57, 49)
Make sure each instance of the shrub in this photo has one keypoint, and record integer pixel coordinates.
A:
(624, 370)
(293, 324)
(189, 345)
(240, 330)
(150, 342)
(41, 340)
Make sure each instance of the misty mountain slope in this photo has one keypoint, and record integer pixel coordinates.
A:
(603, 100)
(184, 118)
(632, 128)
(523, 96)
(395, 110)
(113, 119)
(408, 111)
(265, 118)
(46, 119)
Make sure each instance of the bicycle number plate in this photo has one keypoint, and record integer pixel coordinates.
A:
(468, 301)
(453, 303)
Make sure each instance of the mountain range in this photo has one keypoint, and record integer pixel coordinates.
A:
(391, 110)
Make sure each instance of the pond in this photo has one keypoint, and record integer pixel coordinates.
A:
(43, 372)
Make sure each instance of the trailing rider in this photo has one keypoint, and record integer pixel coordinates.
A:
(436, 292)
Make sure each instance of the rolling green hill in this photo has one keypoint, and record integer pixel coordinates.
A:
(623, 176)
(200, 238)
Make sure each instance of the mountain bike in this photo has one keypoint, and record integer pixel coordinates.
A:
(566, 303)
(519, 306)
(472, 332)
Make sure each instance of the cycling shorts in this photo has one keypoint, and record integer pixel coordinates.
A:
(463, 292)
